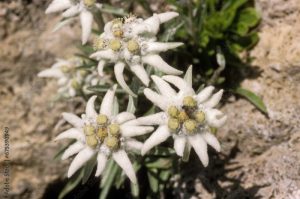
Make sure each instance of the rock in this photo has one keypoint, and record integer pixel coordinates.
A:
(266, 161)
(28, 46)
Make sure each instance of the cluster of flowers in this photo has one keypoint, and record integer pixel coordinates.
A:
(185, 115)
(72, 78)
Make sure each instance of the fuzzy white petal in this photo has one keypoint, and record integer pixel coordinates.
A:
(134, 145)
(212, 141)
(156, 61)
(71, 134)
(73, 119)
(100, 67)
(156, 47)
(141, 73)
(156, 99)
(81, 158)
(71, 12)
(150, 25)
(72, 149)
(90, 107)
(108, 54)
(123, 161)
(182, 85)
(205, 94)
(167, 16)
(179, 145)
(51, 72)
(107, 102)
(159, 136)
(119, 68)
(72, 92)
(163, 87)
(130, 131)
(215, 118)
(123, 117)
(107, 28)
(214, 100)
(200, 148)
(86, 19)
(101, 163)
(58, 5)
(155, 119)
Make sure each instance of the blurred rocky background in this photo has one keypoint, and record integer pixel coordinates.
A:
(261, 154)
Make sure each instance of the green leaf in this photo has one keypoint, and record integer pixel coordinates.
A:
(249, 16)
(113, 10)
(103, 89)
(108, 179)
(71, 184)
(246, 19)
(186, 152)
(135, 190)
(162, 151)
(87, 50)
(238, 43)
(153, 182)
(253, 98)
(131, 104)
(115, 109)
(61, 151)
(165, 175)
(159, 163)
(88, 169)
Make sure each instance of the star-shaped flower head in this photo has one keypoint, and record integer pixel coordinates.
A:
(106, 134)
(132, 42)
(186, 116)
(69, 78)
(72, 8)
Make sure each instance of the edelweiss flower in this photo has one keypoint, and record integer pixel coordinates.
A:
(187, 116)
(106, 134)
(69, 79)
(132, 41)
(72, 8)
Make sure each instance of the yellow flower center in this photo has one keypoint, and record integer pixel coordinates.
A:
(99, 43)
(117, 27)
(190, 125)
(65, 69)
(173, 111)
(182, 116)
(173, 124)
(200, 116)
(133, 46)
(189, 102)
(115, 44)
(92, 141)
(114, 130)
(102, 133)
(102, 119)
(89, 130)
(75, 84)
(89, 3)
(112, 143)
(213, 130)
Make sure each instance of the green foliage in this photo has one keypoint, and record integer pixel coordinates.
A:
(214, 29)
(253, 98)
(71, 184)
